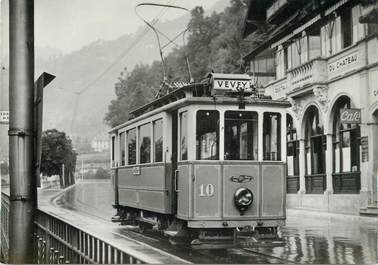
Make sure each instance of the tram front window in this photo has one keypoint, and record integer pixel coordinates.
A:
(240, 136)
(207, 135)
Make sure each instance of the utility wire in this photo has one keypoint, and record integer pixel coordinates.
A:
(122, 55)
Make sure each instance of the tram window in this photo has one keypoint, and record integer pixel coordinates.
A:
(272, 136)
(207, 135)
(145, 143)
(240, 135)
(122, 146)
(183, 136)
(131, 147)
(158, 140)
(113, 151)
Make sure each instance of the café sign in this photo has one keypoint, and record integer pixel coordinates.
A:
(352, 116)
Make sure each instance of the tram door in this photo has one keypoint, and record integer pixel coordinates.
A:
(174, 159)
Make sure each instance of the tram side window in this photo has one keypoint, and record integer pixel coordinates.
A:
(272, 136)
(131, 147)
(158, 140)
(145, 143)
(183, 136)
(122, 146)
(240, 135)
(113, 151)
(207, 135)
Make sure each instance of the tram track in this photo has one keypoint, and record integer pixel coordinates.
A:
(160, 242)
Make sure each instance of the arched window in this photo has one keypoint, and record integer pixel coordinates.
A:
(346, 149)
(292, 156)
(315, 146)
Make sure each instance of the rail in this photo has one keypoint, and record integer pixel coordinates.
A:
(5, 206)
(57, 242)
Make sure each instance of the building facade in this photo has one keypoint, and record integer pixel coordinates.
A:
(325, 62)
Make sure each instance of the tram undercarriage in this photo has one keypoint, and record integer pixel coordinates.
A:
(210, 238)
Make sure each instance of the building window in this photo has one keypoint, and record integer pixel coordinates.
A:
(315, 146)
(272, 136)
(158, 140)
(345, 141)
(207, 135)
(240, 134)
(292, 156)
(346, 27)
(346, 149)
(183, 136)
(292, 148)
(314, 44)
(113, 152)
(145, 143)
(372, 28)
(122, 147)
(131, 147)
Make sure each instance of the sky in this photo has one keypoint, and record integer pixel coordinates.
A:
(68, 25)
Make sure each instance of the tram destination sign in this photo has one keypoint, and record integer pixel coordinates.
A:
(350, 116)
(223, 83)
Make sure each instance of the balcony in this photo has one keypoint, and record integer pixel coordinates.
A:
(314, 71)
(322, 70)
(277, 89)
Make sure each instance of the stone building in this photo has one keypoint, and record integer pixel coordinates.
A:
(325, 62)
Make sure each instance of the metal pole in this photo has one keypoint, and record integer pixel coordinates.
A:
(21, 95)
(63, 177)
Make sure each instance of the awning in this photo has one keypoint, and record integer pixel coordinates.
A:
(334, 7)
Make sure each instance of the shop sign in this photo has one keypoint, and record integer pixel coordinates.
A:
(4, 116)
(364, 149)
(350, 116)
(343, 62)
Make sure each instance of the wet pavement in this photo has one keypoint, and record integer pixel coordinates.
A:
(310, 237)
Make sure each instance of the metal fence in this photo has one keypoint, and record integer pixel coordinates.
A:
(57, 242)
(5, 205)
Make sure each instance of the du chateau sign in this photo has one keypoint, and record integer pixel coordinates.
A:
(350, 116)
(343, 62)
(230, 83)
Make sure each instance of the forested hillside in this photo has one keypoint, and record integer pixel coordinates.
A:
(214, 43)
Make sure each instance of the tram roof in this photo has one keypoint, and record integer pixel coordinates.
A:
(197, 93)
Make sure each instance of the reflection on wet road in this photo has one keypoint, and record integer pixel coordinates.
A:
(309, 238)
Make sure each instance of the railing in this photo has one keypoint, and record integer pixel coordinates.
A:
(307, 73)
(5, 206)
(57, 242)
(346, 182)
(315, 184)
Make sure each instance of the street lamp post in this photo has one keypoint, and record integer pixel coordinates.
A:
(21, 132)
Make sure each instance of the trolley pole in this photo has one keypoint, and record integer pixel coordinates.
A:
(23, 191)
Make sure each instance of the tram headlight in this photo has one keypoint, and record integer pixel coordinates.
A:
(243, 199)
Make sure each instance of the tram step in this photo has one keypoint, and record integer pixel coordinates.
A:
(369, 211)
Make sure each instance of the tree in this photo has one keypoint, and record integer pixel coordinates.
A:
(214, 43)
(57, 150)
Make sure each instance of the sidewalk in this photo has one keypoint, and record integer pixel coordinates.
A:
(368, 220)
(106, 231)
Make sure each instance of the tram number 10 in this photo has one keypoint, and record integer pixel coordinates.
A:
(207, 190)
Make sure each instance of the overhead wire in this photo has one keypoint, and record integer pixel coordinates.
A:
(118, 58)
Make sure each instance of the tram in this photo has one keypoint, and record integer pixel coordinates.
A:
(204, 163)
